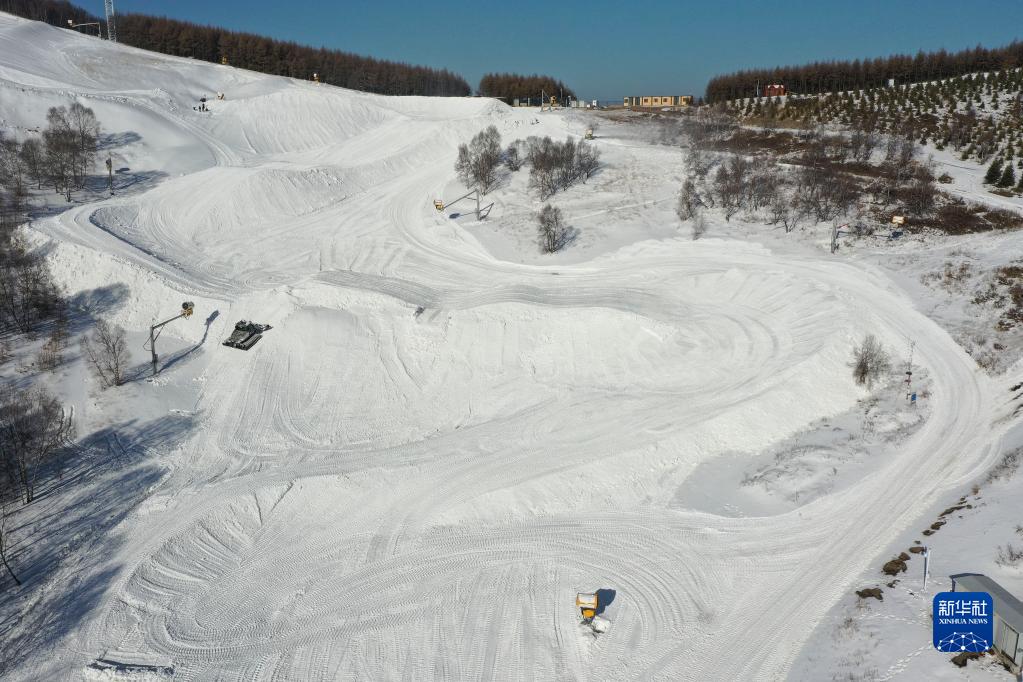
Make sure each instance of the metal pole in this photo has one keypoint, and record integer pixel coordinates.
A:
(909, 371)
(110, 175)
(477, 204)
(152, 348)
(186, 311)
(927, 561)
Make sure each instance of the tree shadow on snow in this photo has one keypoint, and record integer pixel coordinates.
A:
(60, 542)
(86, 306)
(97, 188)
(565, 239)
(107, 141)
(125, 181)
(140, 181)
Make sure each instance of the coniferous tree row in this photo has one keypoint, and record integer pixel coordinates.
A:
(258, 53)
(508, 86)
(53, 12)
(859, 74)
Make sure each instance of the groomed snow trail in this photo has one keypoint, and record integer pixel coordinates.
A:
(374, 495)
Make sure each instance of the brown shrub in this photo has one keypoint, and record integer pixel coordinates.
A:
(960, 659)
(874, 592)
(894, 567)
(1003, 219)
(959, 219)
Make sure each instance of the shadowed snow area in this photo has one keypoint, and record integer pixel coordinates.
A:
(374, 494)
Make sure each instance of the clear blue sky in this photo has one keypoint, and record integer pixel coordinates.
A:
(605, 50)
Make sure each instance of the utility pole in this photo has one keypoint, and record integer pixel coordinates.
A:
(186, 311)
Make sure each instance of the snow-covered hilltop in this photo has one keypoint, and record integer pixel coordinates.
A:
(446, 434)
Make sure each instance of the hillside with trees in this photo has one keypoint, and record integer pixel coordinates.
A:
(978, 117)
(859, 74)
(258, 53)
(508, 86)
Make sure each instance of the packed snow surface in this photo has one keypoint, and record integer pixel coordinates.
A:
(371, 493)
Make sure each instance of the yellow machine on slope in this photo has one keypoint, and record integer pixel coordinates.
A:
(588, 604)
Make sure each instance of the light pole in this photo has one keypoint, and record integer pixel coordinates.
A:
(99, 30)
(186, 311)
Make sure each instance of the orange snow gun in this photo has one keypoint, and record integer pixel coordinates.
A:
(587, 603)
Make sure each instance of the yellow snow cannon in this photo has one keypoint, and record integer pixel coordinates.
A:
(587, 603)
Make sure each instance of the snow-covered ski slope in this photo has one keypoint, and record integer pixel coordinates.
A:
(371, 494)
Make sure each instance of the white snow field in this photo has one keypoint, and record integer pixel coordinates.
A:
(374, 494)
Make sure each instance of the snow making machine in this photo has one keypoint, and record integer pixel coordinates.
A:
(588, 604)
(246, 334)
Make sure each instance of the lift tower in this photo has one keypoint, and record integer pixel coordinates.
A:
(108, 7)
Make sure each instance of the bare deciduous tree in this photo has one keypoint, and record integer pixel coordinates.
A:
(463, 165)
(699, 225)
(730, 183)
(34, 157)
(5, 512)
(484, 158)
(587, 160)
(870, 361)
(85, 130)
(556, 165)
(543, 175)
(825, 193)
(34, 429)
(564, 163)
(478, 161)
(13, 193)
(27, 291)
(512, 156)
(699, 162)
(785, 210)
(763, 185)
(61, 152)
(551, 228)
(689, 201)
(50, 356)
(107, 353)
(920, 194)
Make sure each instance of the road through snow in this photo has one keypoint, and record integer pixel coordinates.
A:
(376, 495)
